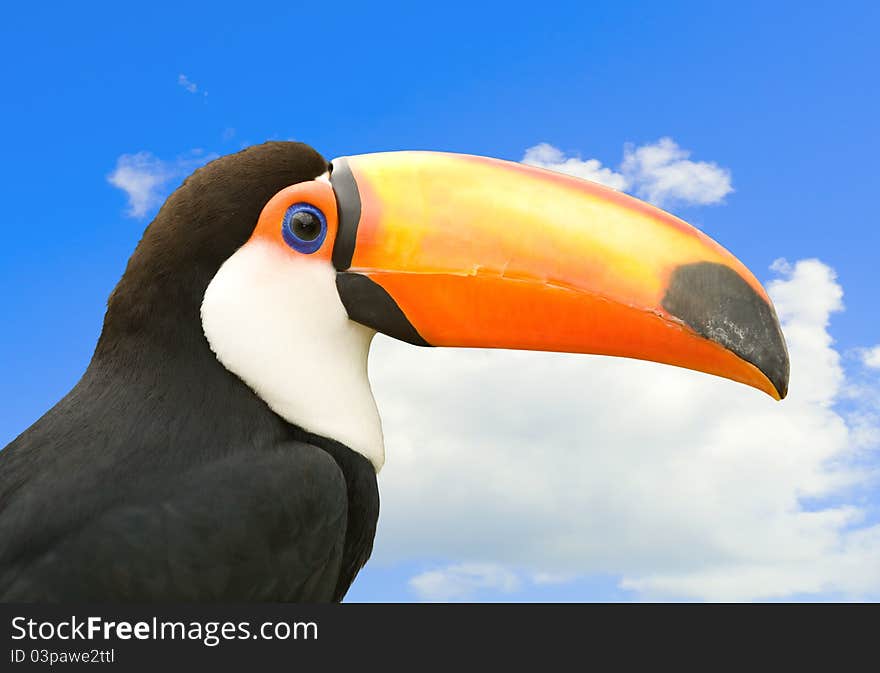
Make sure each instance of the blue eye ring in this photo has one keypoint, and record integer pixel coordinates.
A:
(297, 228)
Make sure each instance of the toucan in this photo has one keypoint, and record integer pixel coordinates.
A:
(223, 442)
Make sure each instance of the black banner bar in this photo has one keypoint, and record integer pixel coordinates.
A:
(374, 636)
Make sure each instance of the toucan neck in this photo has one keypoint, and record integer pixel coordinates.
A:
(281, 328)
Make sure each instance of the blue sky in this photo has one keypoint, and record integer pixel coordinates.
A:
(780, 97)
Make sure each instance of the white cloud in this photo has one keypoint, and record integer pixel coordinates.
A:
(545, 155)
(681, 484)
(461, 581)
(658, 172)
(871, 357)
(141, 176)
(187, 84)
(146, 179)
(662, 174)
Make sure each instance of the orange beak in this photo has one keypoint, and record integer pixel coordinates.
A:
(452, 250)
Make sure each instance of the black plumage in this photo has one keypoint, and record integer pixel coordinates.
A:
(162, 476)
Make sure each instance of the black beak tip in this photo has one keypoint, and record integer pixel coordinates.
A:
(718, 304)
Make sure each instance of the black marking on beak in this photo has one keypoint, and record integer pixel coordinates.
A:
(714, 301)
(348, 208)
(370, 304)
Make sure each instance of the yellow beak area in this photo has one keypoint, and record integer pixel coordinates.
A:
(453, 250)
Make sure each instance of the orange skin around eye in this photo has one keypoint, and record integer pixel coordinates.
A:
(316, 193)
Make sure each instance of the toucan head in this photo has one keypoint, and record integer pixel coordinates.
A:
(442, 249)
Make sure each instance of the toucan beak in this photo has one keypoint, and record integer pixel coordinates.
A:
(452, 250)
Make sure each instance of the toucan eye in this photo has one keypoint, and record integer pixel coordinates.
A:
(304, 227)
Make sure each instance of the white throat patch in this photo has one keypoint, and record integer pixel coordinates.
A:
(276, 321)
